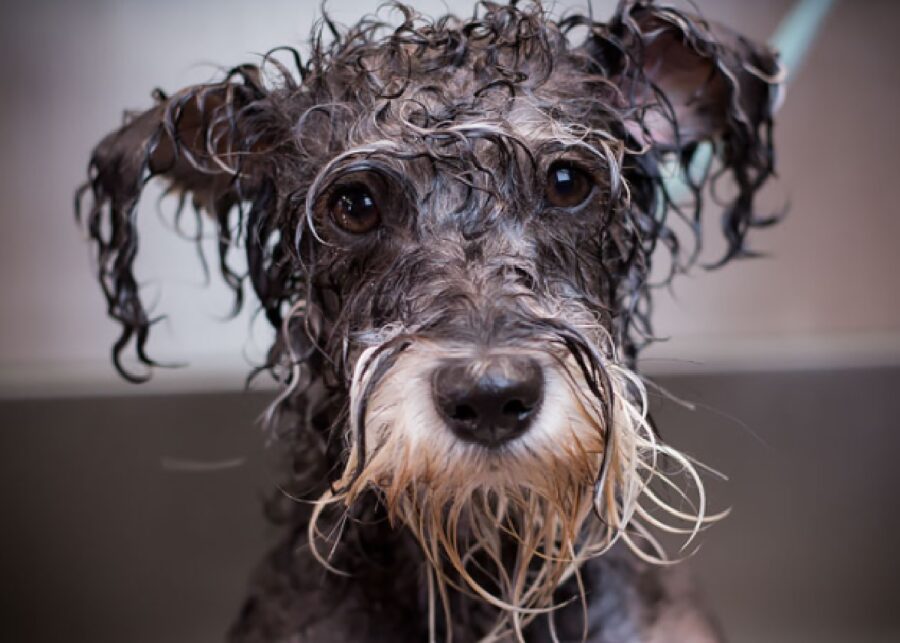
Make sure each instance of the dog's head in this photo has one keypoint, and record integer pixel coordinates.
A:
(451, 224)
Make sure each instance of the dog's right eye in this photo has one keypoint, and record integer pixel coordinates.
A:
(353, 208)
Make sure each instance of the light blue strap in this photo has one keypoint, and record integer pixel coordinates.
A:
(798, 29)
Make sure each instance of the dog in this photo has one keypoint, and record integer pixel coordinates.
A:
(450, 223)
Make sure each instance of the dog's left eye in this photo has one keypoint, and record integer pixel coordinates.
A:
(353, 208)
(567, 185)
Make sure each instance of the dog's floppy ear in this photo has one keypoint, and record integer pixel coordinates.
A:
(206, 142)
(681, 81)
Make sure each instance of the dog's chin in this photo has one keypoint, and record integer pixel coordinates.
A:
(507, 523)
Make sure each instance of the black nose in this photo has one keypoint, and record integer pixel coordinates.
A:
(490, 400)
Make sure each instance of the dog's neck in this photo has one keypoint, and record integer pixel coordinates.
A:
(382, 595)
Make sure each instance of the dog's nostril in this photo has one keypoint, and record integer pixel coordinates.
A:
(515, 407)
(491, 400)
(463, 412)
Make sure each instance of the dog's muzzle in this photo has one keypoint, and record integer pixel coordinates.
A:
(488, 400)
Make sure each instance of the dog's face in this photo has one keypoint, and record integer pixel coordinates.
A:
(451, 225)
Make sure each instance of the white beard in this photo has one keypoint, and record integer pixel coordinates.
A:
(574, 483)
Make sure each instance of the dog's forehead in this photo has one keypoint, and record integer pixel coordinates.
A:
(483, 120)
(522, 74)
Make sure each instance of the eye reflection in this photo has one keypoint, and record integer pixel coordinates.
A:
(354, 209)
(567, 185)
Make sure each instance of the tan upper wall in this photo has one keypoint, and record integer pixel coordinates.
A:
(71, 68)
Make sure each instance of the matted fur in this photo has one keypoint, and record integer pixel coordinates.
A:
(459, 120)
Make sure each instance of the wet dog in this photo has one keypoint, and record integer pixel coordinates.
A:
(450, 223)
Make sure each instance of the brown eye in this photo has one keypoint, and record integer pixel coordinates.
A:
(353, 208)
(567, 186)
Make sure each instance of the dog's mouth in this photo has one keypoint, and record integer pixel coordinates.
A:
(544, 451)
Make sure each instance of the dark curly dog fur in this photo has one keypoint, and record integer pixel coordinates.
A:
(451, 223)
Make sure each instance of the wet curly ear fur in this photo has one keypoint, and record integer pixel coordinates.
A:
(696, 98)
(206, 141)
(688, 80)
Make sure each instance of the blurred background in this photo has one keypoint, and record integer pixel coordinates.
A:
(792, 362)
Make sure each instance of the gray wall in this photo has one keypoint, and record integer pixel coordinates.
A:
(103, 541)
